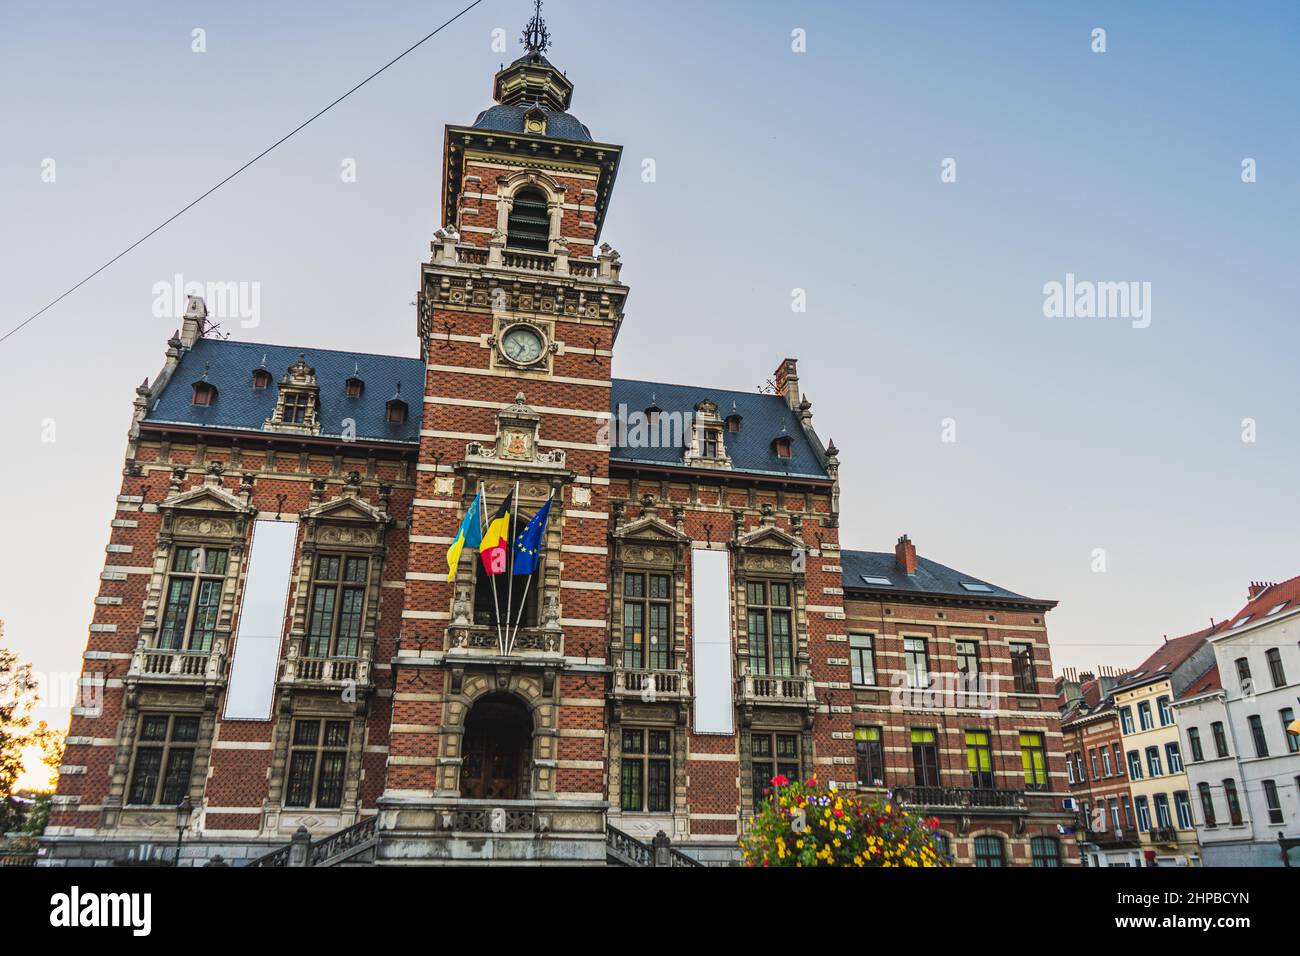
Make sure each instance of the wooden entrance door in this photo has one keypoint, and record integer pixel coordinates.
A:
(495, 752)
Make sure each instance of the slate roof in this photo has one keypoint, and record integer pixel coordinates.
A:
(763, 418)
(509, 118)
(238, 406)
(931, 577)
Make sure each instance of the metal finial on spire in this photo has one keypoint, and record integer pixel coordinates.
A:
(536, 38)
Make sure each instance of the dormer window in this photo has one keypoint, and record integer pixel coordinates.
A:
(652, 413)
(261, 378)
(733, 422)
(297, 405)
(712, 438)
(205, 393)
(783, 446)
(529, 223)
(354, 387)
(395, 410)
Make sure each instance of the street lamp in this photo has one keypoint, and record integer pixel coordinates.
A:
(183, 811)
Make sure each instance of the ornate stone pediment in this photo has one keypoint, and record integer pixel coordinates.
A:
(516, 443)
(768, 537)
(650, 527)
(210, 497)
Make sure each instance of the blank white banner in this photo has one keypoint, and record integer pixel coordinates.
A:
(711, 641)
(261, 621)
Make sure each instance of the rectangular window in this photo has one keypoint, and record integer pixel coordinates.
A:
(1220, 738)
(1273, 800)
(1257, 735)
(918, 662)
(774, 755)
(1092, 760)
(1243, 677)
(337, 609)
(1183, 808)
(1144, 715)
(1166, 715)
(1119, 761)
(1115, 820)
(647, 621)
(968, 661)
(1173, 758)
(1153, 761)
(1287, 716)
(1069, 768)
(1105, 761)
(164, 759)
(295, 408)
(1207, 804)
(193, 598)
(1194, 741)
(710, 443)
(1144, 814)
(1234, 805)
(771, 648)
(646, 771)
(1033, 759)
(1275, 671)
(1045, 851)
(862, 657)
(318, 755)
(870, 746)
(989, 851)
(979, 759)
(1163, 819)
(1126, 719)
(925, 758)
(1022, 668)
(1128, 812)
(1134, 765)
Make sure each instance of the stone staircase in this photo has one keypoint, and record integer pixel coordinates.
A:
(622, 849)
(351, 846)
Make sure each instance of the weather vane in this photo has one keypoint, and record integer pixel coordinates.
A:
(536, 38)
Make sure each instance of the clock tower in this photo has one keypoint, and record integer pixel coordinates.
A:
(519, 306)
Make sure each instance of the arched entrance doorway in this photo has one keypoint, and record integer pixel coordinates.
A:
(497, 750)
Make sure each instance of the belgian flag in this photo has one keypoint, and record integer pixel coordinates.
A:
(495, 547)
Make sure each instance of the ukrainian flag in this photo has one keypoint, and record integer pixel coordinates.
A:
(471, 533)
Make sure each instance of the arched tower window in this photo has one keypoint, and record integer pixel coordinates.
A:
(529, 225)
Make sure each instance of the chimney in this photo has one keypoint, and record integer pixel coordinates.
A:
(787, 382)
(905, 554)
(196, 314)
(1257, 588)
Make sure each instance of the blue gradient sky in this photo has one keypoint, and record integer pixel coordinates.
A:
(775, 171)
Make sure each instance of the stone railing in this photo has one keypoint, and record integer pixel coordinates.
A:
(605, 267)
(483, 638)
(961, 798)
(300, 669)
(650, 684)
(622, 849)
(302, 851)
(776, 689)
(176, 664)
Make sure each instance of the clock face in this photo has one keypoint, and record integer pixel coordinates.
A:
(522, 345)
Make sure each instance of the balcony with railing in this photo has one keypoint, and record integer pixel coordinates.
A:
(1164, 835)
(981, 799)
(781, 690)
(484, 640)
(603, 268)
(651, 684)
(314, 671)
(1112, 838)
(177, 665)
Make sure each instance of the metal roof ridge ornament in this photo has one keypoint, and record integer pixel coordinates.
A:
(536, 38)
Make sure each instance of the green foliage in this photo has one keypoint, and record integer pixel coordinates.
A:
(803, 824)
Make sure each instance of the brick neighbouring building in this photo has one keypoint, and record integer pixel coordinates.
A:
(380, 706)
(1096, 768)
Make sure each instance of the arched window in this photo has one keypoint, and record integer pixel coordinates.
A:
(988, 851)
(1046, 851)
(529, 225)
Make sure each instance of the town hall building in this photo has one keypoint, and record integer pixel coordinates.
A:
(278, 647)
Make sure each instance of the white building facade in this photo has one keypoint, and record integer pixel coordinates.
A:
(1243, 765)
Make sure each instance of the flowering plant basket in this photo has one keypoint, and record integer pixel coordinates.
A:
(804, 824)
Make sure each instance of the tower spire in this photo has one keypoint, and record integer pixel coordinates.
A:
(536, 38)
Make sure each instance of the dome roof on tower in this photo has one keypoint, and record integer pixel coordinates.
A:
(509, 118)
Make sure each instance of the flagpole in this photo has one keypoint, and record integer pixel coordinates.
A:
(510, 569)
(524, 601)
(496, 605)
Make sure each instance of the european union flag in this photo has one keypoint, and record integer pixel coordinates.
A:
(528, 545)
